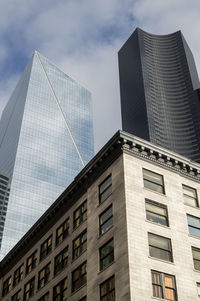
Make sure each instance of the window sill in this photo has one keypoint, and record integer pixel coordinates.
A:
(39, 289)
(15, 285)
(56, 246)
(154, 223)
(100, 235)
(78, 289)
(195, 207)
(74, 229)
(45, 257)
(104, 200)
(60, 271)
(198, 271)
(73, 260)
(29, 272)
(193, 236)
(106, 268)
(161, 299)
(161, 260)
(159, 193)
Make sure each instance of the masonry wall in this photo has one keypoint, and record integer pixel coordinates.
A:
(94, 241)
(140, 262)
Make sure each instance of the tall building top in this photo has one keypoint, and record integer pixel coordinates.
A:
(46, 138)
(158, 78)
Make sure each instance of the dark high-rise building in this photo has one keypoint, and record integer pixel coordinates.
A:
(159, 91)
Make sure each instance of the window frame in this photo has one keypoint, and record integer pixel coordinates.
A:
(16, 296)
(103, 257)
(156, 204)
(42, 281)
(29, 292)
(169, 251)
(47, 248)
(45, 295)
(83, 298)
(195, 199)
(32, 265)
(82, 247)
(192, 226)
(63, 289)
(149, 181)
(64, 261)
(108, 219)
(194, 259)
(82, 217)
(106, 189)
(163, 286)
(7, 284)
(18, 275)
(82, 277)
(108, 290)
(198, 290)
(65, 232)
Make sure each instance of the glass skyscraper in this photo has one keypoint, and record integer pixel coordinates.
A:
(46, 138)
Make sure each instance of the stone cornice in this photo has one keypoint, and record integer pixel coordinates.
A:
(121, 142)
(166, 159)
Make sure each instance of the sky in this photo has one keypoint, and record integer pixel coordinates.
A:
(83, 37)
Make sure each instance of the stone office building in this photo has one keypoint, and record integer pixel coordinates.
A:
(127, 228)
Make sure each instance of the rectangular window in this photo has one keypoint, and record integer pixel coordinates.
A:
(160, 247)
(106, 254)
(6, 286)
(193, 225)
(105, 189)
(105, 220)
(80, 244)
(44, 276)
(60, 290)
(62, 232)
(156, 212)
(29, 289)
(18, 274)
(46, 248)
(198, 290)
(107, 289)
(153, 181)
(164, 286)
(79, 277)
(45, 297)
(80, 215)
(61, 261)
(17, 296)
(196, 258)
(31, 262)
(83, 299)
(190, 196)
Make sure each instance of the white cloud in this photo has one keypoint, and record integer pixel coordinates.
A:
(82, 37)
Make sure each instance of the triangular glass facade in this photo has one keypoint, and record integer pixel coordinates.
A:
(46, 139)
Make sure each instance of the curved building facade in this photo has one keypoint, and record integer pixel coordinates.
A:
(159, 91)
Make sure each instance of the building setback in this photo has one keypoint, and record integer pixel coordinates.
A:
(160, 91)
(127, 228)
(46, 138)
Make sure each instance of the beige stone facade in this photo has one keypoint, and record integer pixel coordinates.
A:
(123, 158)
